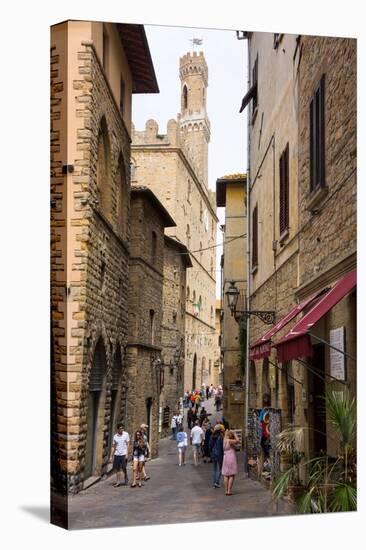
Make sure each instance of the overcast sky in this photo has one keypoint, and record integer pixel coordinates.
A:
(226, 57)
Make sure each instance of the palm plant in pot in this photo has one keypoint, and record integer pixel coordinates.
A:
(330, 481)
(289, 444)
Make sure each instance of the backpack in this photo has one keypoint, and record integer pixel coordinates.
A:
(215, 447)
(180, 437)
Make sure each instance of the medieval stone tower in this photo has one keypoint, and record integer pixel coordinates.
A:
(174, 165)
(193, 121)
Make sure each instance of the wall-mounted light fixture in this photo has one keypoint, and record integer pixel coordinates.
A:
(232, 294)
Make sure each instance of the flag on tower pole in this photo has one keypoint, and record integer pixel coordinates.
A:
(196, 42)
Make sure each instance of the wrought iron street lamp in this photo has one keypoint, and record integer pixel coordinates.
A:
(232, 293)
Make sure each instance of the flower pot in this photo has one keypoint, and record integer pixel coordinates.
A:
(294, 492)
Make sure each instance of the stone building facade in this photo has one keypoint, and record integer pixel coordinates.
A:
(327, 217)
(217, 376)
(94, 72)
(176, 263)
(302, 229)
(145, 301)
(231, 194)
(174, 166)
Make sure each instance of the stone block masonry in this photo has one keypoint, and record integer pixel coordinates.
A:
(89, 286)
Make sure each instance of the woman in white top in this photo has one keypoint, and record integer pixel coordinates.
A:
(182, 442)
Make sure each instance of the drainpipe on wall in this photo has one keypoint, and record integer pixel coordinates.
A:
(247, 252)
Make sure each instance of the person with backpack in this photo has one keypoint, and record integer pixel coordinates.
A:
(216, 447)
(182, 442)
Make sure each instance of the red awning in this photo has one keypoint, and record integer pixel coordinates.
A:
(296, 343)
(262, 347)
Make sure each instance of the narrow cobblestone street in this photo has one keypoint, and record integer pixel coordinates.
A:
(172, 495)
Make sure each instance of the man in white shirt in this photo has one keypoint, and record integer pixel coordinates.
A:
(173, 425)
(197, 437)
(179, 421)
(119, 450)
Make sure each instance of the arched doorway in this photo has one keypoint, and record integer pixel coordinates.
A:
(194, 372)
(95, 412)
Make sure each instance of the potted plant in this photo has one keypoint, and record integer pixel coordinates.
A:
(289, 442)
(330, 481)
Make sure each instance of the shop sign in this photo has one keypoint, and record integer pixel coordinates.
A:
(337, 366)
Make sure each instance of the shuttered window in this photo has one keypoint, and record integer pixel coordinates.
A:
(252, 93)
(98, 368)
(116, 371)
(317, 137)
(255, 84)
(284, 191)
(255, 237)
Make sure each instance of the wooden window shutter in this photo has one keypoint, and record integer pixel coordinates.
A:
(98, 368)
(284, 191)
(255, 237)
(317, 137)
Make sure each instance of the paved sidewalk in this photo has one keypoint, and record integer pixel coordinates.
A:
(172, 495)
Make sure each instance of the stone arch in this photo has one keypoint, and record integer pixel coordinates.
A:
(104, 170)
(122, 198)
(95, 436)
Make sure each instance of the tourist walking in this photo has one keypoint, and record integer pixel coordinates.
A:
(190, 418)
(143, 429)
(206, 445)
(229, 464)
(196, 441)
(197, 401)
(179, 422)
(182, 443)
(202, 416)
(119, 452)
(139, 450)
(218, 398)
(193, 398)
(173, 425)
(216, 446)
(186, 399)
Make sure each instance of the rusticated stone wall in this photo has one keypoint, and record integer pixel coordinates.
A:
(328, 233)
(145, 296)
(173, 327)
(89, 292)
